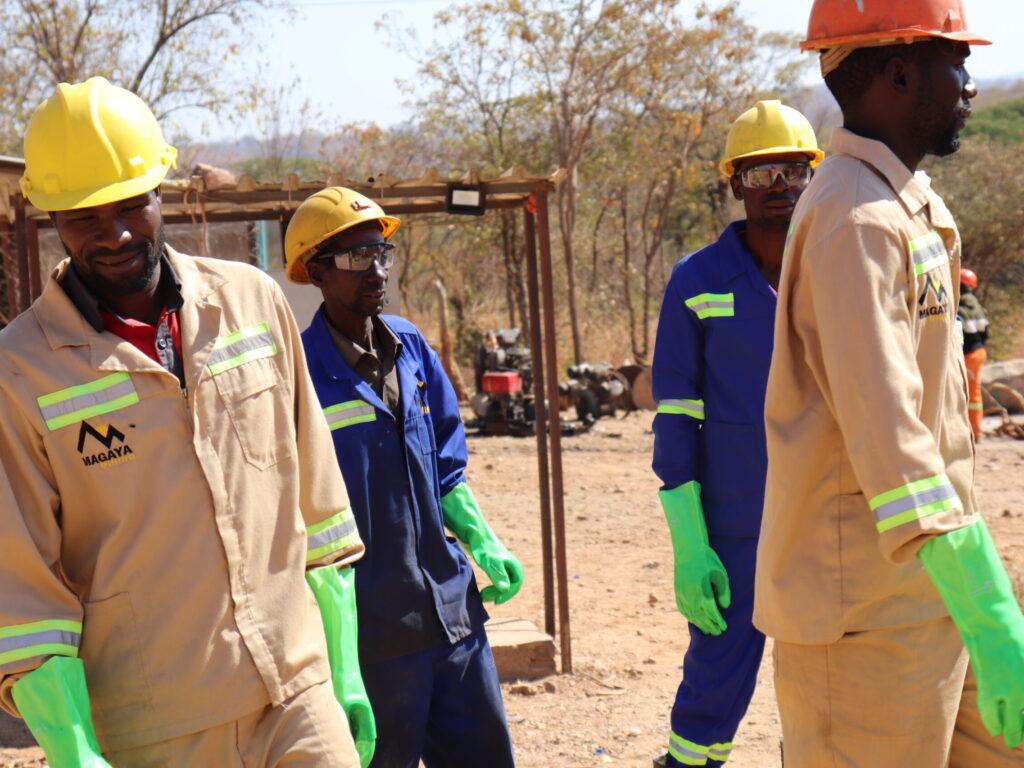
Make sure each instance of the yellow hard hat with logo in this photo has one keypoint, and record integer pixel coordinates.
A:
(90, 144)
(320, 217)
(767, 128)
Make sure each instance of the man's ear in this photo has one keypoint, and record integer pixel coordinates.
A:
(896, 72)
(315, 272)
(737, 186)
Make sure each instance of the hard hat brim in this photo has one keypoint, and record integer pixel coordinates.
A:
(899, 36)
(101, 194)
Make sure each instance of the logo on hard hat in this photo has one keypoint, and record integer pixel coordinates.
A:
(358, 206)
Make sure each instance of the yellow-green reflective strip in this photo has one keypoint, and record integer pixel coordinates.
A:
(348, 413)
(39, 638)
(720, 752)
(241, 347)
(976, 406)
(425, 409)
(687, 752)
(692, 408)
(712, 305)
(914, 500)
(928, 252)
(71, 405)
(330, 535)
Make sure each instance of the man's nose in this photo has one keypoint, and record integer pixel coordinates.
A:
(970, 89)
(112, 234)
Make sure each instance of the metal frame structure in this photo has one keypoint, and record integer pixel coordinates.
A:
(193, 201)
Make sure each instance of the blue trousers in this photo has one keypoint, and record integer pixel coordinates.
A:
(442, 705)
(719, 673)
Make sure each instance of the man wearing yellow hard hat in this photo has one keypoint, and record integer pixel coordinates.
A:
(166, 488)
(874, 568)
(711, 360)
(398, 437)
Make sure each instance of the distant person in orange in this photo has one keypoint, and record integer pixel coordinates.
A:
(975, 332)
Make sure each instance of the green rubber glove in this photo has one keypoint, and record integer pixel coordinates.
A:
(335, 592)
(702, 585)
(54, 701)
(463, 517)
(966, 570)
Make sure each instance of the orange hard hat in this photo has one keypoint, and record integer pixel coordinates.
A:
(968, 278)
(838, 22)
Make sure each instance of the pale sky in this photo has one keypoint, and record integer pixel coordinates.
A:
(349, 67)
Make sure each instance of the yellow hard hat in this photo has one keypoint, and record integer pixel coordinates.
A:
(320, 217)
(767, 128)
(92, 143)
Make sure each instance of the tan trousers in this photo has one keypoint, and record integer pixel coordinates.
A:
(309, 730)
(888, 698)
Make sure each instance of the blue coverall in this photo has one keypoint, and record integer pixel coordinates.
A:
(713, 348)
(427, 666)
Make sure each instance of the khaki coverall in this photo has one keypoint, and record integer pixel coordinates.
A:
(869, 454)
(161, 533)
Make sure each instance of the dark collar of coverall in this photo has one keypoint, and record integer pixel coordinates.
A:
(89, 305)
(374, 366)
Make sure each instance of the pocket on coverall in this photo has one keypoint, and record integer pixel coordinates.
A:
(249, 393)
(112, 655)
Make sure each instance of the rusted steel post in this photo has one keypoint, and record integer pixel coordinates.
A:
(540, 421)
(7, 254)
(555, 429)
(21, 245)
(35, 281)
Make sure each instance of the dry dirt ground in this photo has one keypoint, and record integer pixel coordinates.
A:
(627, 638)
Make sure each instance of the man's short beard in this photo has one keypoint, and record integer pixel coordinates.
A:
(129, 284)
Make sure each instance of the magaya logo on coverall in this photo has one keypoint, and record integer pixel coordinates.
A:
(938, 307)
(106, 437)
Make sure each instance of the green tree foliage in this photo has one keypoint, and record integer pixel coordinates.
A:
(983, 185)
(1002, 123)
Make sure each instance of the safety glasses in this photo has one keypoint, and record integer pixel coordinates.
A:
(361, 257)
(764, 176)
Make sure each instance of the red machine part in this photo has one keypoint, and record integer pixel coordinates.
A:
(502, 382)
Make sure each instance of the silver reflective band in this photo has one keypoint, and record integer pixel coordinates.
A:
(46, 637)
(928, 252)
(915, 500)
(693, 408)
(334, 533)
(712, 305)
(241, 347)
(83, 401)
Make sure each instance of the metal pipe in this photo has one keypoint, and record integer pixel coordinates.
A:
(21, 245)
(540, 421)
(35, 280)
(555, 429)
(7, 254)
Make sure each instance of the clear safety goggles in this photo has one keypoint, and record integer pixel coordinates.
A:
(795, 174)
(361, 257)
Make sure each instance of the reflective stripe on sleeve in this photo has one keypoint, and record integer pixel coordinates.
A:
(56, 637)
(914, 500)
(687, 752)
(928, 252)
(74, 404)
(975, 324)
(712, 305)
(692, 408)
(348, 413)
(330, 535)
(240, 347)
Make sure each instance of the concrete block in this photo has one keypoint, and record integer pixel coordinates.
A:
(521, 651)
